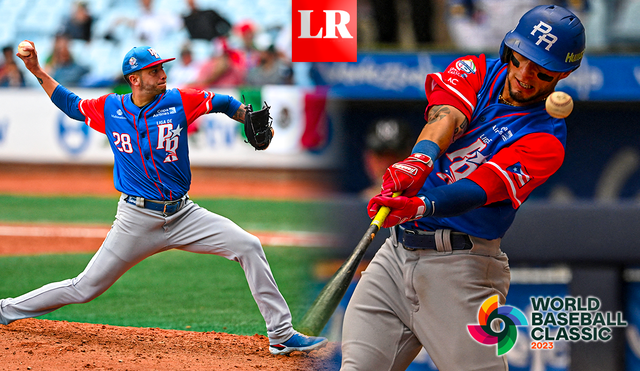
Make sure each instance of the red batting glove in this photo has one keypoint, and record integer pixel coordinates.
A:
(408, 175)
(403, 209)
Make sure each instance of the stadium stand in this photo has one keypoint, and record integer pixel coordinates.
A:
(40, 20)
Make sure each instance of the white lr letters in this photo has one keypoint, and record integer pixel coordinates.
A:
(330, 24)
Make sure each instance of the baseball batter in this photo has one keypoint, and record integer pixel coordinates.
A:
(487, 144)
(147, 131)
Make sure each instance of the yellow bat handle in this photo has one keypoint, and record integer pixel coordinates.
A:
(383, 213)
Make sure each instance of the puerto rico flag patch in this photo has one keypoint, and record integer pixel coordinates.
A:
(519, 174)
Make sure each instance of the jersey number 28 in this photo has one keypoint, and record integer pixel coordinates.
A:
(123, 142)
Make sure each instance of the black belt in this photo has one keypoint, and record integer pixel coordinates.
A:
(166, 207)
(423, 240)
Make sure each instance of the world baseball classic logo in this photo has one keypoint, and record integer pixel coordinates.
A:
(324, 31)
(504, 338)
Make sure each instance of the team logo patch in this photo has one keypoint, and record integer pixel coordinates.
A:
(507, 336)
(466, 65)
(168, 139)
(133, 62)
(519, 174)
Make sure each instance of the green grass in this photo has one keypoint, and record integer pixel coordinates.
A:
(172, 290)
(249, 214)
(175, 289)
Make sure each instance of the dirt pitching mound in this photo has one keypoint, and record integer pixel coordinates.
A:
(33, 344)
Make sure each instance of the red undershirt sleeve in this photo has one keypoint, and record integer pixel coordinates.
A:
(93, 111)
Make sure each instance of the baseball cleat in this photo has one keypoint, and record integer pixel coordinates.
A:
(298, 342)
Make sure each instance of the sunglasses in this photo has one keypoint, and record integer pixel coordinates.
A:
(542, 76)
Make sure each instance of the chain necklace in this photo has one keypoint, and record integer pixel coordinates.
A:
(502, 100)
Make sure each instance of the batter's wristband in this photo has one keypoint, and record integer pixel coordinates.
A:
(427, 147)
(429, 205)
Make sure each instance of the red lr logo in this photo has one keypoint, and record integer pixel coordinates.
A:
(324, 31)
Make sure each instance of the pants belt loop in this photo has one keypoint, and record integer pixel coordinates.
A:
(443, 241)
(395, 232)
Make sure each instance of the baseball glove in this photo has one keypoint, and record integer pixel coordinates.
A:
(257, 127)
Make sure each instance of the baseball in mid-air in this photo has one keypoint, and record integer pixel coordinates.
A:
(21, 50)
(559, 104)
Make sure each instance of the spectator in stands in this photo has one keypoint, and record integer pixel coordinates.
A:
(271, 69)
(185, 70)
(61, 65)
(205, 24)
(422, 15)
(388, 141)
(78, 24)
(150, 26)
(246, 31)
(225, 68)
(478, 25)
(10, 74)
(154, 25)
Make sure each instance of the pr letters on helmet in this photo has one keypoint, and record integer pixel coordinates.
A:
(546, 36)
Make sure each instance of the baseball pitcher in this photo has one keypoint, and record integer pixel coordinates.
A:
(487, 144)
(147, 131)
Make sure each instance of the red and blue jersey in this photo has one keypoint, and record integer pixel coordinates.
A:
(508, 151)
(150, 147)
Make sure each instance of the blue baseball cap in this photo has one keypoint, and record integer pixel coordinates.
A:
(141, 57)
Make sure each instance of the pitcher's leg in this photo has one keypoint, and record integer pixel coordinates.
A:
(202, 231)
(132, 238)
(102, 271)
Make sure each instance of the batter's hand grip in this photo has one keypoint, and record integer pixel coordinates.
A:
(383, 213)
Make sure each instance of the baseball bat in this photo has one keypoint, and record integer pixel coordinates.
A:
(327, 301)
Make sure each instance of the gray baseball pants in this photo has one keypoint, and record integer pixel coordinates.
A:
(407, 300)
(138, 233)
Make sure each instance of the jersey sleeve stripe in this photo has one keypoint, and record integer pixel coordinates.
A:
(87, 118)
(511, 188)
(209, 95)
(81, 108)
(455, 91)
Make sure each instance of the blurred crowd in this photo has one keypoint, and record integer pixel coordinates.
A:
(241, 54)
(480, 25)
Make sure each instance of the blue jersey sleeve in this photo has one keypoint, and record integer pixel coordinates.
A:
(67, 102)
(225, 104)
(454, 199)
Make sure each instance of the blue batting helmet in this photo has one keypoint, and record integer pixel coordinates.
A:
(550, 36)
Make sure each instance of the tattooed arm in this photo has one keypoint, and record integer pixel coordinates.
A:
(445, 124)
(239, 115)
